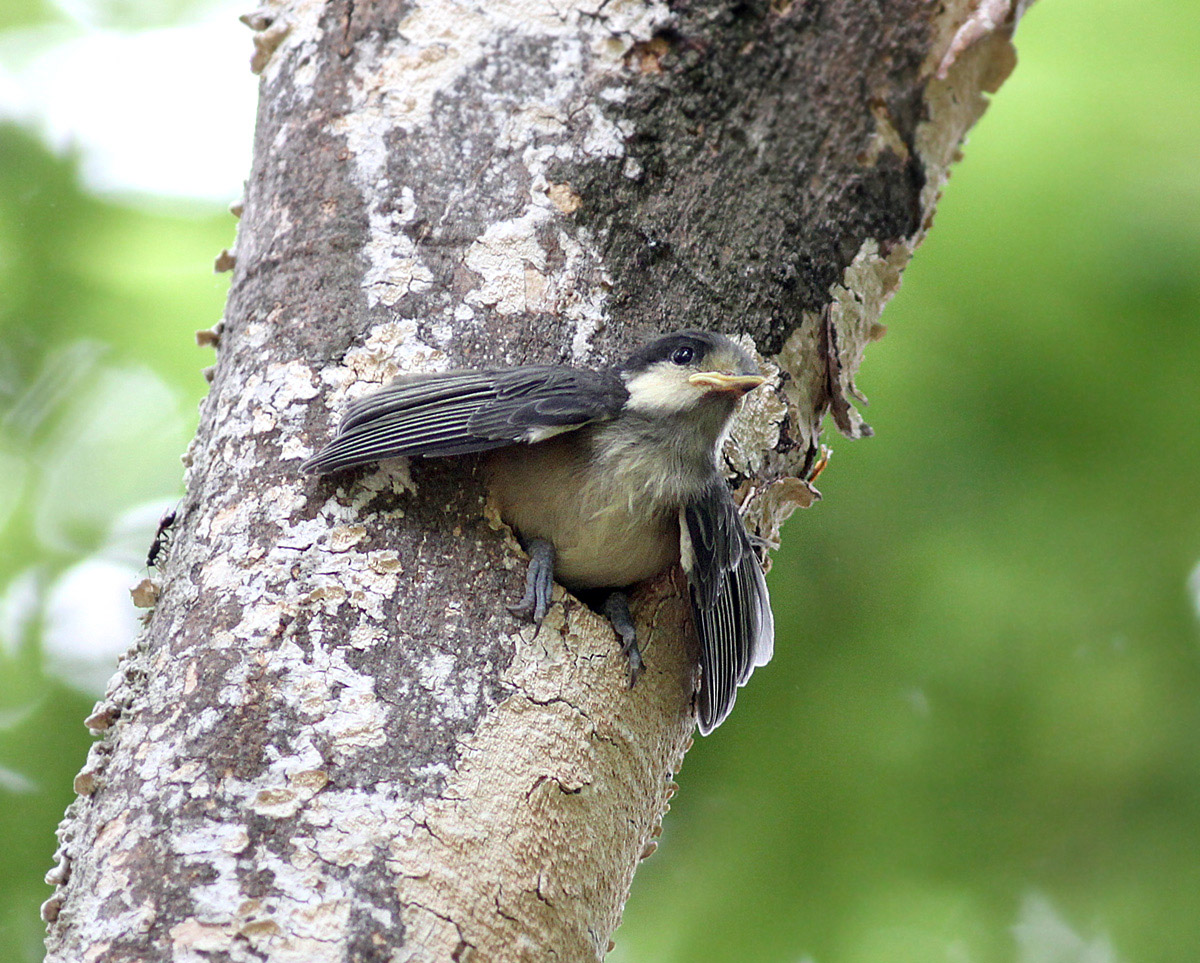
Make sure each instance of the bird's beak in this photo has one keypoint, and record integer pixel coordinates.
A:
(719, 381)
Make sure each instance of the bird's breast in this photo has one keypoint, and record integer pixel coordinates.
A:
(609, 526)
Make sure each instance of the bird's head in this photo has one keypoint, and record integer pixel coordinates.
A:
(692, 374)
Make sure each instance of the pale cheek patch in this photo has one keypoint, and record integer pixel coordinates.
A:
(662, 389)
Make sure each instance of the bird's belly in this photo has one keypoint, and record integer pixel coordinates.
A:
(603, 537)
(617, 550)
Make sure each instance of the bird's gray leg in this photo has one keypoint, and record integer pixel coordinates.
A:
(539, 581)
(616, 607)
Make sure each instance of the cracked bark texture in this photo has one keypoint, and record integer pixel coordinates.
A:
(332, 742)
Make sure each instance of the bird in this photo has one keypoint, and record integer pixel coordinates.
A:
(608, 477)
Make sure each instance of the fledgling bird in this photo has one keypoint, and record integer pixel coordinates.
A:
(608, 477)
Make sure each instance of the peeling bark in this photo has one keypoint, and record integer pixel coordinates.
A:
(332, 741)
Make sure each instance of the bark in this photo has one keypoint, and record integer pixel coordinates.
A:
(332, 741)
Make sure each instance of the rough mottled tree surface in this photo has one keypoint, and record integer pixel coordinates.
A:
(332, 741)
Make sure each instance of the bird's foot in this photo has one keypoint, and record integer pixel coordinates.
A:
(616, 608)
(539, 582)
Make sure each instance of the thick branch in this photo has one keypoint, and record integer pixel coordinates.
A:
(333, 742)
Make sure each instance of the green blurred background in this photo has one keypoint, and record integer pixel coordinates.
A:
(980, 737)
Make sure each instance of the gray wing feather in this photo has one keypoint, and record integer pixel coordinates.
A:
(466, 411)
(730, 604)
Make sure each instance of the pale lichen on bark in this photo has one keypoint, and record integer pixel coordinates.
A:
(333, 742)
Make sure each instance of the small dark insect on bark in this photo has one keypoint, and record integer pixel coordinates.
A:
(162, 537)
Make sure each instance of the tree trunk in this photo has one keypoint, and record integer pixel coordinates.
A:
(332, 741)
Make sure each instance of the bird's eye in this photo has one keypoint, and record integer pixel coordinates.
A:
(683, 355)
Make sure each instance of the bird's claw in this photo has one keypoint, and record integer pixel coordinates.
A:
(533, 609)
(616, 607)
(539, 582)
(633, 654)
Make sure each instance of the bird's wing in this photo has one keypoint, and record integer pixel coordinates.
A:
(464, 411)
(730, 605)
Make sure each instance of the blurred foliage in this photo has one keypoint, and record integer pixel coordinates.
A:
(977, 741)
(26, 13)
(102, 14)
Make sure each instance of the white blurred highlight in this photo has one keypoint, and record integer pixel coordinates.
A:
(167, 111)
(1043, 936)
(90, 621)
